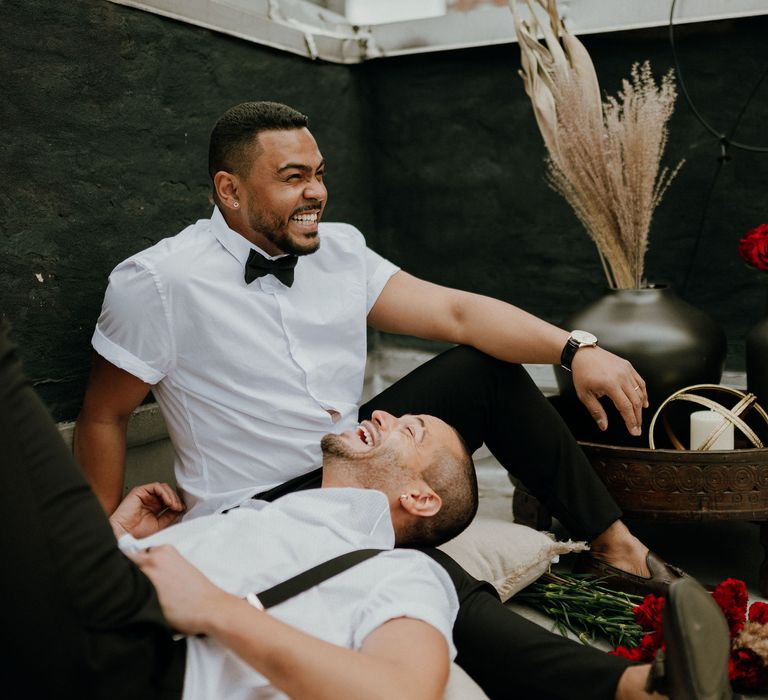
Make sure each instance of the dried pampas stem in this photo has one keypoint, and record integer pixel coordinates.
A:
(604, 158)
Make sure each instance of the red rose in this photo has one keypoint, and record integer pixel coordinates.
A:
(754, 247)
(731, 596)
(758, 612)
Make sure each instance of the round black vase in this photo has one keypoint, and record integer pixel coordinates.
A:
(671, 343)
(757, 362)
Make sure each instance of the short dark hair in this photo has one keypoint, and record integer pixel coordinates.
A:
(453, 478)
(236, 131)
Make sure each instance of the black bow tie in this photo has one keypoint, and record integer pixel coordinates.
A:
(258, 266)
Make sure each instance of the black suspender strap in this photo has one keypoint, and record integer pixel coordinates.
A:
(314, 576)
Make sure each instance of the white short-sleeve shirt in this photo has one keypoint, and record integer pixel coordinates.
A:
(261, 544)
(245, 375)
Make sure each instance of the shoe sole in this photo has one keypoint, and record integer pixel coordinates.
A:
(698, 644)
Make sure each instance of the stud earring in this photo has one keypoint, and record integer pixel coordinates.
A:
(235, 204)
(404, 496)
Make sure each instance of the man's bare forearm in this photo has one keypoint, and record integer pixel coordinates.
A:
(507, 332)
(100, 449)
(111, 396)
(493, 326)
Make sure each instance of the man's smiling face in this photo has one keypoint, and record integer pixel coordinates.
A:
(283, 195)
(409, 443)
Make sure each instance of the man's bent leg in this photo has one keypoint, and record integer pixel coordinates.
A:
(495, 402)
(79, 615)
(511, 657)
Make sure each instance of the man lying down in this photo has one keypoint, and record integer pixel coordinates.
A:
(413, 484)
(88, 621)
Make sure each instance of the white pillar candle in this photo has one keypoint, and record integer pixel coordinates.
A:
(703, 423)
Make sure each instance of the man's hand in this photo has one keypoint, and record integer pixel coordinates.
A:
(146, 510)
(597, 373)
(187, 597)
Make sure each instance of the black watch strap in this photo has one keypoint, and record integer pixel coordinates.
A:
(578, 339)
(566, 357)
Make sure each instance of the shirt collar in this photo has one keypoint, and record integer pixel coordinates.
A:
(367, 512)
(237, 245)
(351, 512)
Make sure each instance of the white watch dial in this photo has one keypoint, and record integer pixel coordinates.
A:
(584, 337)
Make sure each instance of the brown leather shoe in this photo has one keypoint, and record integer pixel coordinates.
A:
(662, 575)
(695, 663)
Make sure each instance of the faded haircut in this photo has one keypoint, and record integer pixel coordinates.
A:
(453, 478)
(231, 146)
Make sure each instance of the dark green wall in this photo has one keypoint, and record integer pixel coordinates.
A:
(105, 116)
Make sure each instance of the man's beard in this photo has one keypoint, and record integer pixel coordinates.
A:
(333, 446)
(275, 232)
(362, 469)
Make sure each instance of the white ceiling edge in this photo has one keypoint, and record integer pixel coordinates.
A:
(303, 28)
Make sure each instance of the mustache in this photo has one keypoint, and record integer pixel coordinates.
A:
(315, 206)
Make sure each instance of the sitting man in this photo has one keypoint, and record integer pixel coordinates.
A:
(86, 622)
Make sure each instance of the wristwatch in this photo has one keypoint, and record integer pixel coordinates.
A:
(578, 339)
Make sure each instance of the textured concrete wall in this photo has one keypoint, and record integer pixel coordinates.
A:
(105, 117)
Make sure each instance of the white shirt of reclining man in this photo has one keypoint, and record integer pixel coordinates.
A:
(247, 377)
(260, 544)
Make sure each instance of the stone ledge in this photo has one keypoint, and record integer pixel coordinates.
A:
(145, 426)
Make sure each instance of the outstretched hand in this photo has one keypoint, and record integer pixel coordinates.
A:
(597, 373)
(187, 597)
(146, 510)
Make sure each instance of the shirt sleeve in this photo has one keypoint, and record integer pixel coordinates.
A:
(133, 330)
(412, 585)
(378, 271)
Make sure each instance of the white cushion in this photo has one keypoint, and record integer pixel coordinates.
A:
(507, 555)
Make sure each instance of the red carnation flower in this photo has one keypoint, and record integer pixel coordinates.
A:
(643, 652)
(746, 670)
(634, 654)
(758, 612)
(731, 596)
(649, 613)
(754, 247)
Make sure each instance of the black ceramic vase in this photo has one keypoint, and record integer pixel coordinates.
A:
(671, 344)
(757, 362)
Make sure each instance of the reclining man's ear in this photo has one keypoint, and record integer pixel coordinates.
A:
(420, 500)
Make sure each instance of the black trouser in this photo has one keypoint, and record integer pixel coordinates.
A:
(491, 401)
(79, 618)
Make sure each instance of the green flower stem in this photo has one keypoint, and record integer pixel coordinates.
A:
(580, 605)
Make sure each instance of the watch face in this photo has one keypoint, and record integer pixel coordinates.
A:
(583, 337)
